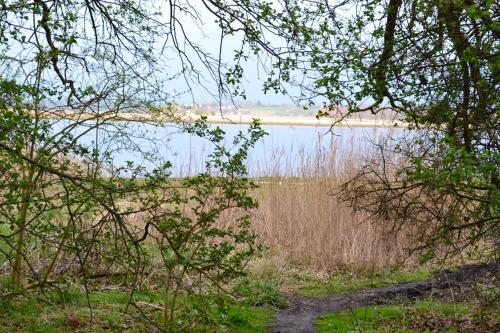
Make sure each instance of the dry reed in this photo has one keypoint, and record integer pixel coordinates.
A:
(300, 217)
(303, 219)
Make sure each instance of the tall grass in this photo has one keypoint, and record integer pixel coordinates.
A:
(302, 218)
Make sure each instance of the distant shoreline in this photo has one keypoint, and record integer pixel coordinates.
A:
(231, 119)
(304, 121)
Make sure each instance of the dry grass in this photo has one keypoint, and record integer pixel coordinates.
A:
(303, 219)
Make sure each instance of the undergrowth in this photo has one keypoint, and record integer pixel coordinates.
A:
(427, 315)
(47, 312)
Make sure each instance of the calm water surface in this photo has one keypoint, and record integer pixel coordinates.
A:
(285, 151)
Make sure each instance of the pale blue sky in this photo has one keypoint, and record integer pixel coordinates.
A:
(207, 35)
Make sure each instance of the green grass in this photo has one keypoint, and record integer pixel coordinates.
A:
(257, 292)
(343, 283)
(297, 279)
(52, 313)
(359, 320)
(247, 319)
(396, 318)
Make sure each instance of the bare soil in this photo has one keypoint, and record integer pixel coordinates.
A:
(303, 311)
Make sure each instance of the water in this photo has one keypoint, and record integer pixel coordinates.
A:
(283, 151)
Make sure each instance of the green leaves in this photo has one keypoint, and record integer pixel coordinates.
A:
(442, 195)
(69, 70)
(206, 226)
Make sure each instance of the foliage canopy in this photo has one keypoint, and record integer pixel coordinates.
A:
(436, 64)
(70, 70)
(83, 63)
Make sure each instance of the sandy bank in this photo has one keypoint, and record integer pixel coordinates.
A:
(229, 119)
(303, 121)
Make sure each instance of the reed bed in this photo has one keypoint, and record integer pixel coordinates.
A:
(302, 217)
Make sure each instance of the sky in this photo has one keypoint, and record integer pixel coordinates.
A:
(207, 35)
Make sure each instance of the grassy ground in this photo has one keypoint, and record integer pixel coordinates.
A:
(268, 271)
(259, 297)
(48, 313)
(423, 316)
(348, 282)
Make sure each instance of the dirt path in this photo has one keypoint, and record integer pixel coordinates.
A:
(303, 311)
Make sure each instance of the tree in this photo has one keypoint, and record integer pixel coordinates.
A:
(76, 69)
(85, 62)
(69, 60)
(435, 63)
